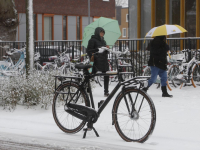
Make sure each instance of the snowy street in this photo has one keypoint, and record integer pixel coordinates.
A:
(177, 126)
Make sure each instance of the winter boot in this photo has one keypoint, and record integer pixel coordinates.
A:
(164, 92)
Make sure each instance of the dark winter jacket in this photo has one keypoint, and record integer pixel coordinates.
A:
(100, 59)
(158, 53)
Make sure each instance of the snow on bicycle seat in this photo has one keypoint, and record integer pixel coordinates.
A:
(82, 66)
(5, 57)
(9, 54)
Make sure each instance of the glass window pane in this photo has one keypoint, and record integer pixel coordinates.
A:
(190, 18)
(47, 28)
(124, 32)
(160, 12)
(78, 28)
(174, 16)
(34, 24)
(64, 28)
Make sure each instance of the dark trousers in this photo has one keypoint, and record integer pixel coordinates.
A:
(106, 83)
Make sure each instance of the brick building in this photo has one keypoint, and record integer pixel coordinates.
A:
(61, 19)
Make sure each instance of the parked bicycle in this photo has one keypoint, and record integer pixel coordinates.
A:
(8, 68)
(133, 112)
(181, 73)
(61, 63)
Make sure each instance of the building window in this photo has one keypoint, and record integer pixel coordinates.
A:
(190, 18)
(64, 27)
(35, 26)
(174, 16)
(78, 28)
(124, 32)
(160, 12)
(48, 28)
(126, 17)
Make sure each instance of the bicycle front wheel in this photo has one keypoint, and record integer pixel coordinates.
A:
(134, 115)
(65, 121)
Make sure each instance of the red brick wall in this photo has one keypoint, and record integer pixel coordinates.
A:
(70, 7)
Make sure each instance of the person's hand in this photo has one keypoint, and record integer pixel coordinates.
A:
(107, 46)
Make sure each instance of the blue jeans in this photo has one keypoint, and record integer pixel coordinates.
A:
(155, 71)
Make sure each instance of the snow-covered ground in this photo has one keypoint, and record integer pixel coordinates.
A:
(177, 126)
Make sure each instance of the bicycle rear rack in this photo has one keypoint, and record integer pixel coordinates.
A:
(64, 78)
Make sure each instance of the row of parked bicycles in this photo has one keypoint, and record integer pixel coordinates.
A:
(180, 71)
(60, 63)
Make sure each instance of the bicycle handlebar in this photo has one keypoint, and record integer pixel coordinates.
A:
(18, 50)
(126, 52)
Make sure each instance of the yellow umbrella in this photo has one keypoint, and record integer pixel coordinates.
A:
(165, 30)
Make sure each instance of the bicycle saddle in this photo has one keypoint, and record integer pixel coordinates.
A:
(82, 66)
(5, 57)
(8, 54)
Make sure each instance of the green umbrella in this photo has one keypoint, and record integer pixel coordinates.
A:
(111, 27)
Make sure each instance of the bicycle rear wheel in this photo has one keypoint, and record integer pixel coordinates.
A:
(65, 121)
(134, 115)
(196, 75)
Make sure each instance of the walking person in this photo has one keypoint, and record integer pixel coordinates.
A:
(158, 63)
(100, 59)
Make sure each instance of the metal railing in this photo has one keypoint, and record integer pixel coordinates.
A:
(138, 48)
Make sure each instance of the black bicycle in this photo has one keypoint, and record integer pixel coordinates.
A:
(133, 112)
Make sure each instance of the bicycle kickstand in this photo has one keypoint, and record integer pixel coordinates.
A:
(89, 128)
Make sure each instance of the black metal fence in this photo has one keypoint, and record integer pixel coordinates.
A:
(137, 47)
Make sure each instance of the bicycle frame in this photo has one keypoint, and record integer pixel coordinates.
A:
(86, 81)
(77, 98)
